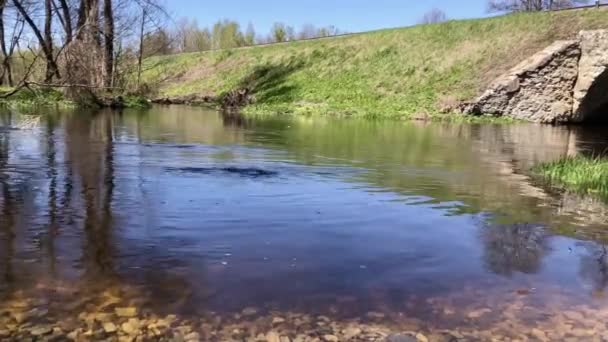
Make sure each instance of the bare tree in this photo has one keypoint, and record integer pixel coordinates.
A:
(433, 16)
(45, 41)
(108, 35)
(532, 5)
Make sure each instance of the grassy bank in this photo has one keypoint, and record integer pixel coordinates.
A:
(44, 97)
(26, 98)
(390, 73)
(580, 174)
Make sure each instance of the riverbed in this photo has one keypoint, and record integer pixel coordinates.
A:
(180, 223)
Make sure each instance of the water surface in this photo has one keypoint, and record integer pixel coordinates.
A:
(198, 211)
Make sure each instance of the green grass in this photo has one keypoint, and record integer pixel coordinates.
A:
(580, 174)
(396, 73)
(27, 98)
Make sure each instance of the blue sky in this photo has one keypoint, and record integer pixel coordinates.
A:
(347, 15)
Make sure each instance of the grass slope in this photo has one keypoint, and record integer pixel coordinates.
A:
(388, 73)
(580, 174)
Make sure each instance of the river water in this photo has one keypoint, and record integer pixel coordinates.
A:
(185, 211)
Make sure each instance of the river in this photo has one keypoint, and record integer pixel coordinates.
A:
(423, 227)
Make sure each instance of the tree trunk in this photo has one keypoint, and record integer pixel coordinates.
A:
(141, 47)
(108, 19)
(67, 20)
(51, 67)
(46, 46)
(3, 42)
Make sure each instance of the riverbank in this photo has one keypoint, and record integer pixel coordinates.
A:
(120, 313)
(26, 99)
(580, 174)
(403, 73)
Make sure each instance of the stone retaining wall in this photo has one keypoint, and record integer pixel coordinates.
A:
(566, 82)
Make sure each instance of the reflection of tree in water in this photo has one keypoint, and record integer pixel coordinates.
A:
(7, 204)
(232, 118)
(594, 267)
(513, 247)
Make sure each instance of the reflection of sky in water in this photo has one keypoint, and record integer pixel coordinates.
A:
(278, 211)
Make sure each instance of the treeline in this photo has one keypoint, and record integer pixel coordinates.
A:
(188, 36)
(85, 45)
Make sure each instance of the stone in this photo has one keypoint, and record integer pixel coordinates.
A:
(351, 332)
(130, 327)
(566, 82)
(421, 338)
(539, 335)
(273, 336)
(331, 338)
(400, 338)
(285, 339)
(375, 315)
(73, 335)
(592, 83)
(478, 313)
(278, 320)
(109, 327)
(249, 311)
(574, 316)
(192, 337)
(41, 330)
(126, 312)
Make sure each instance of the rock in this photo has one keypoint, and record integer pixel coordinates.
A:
(41, 330)
(539, 334)
(375, 315)
(285, 339)
(73, 335)
(126, 312)
(249, 311)
(131, 327)
(400, 338)
(566, 82)
(192, 337)
(331, 338)
(574, 316)
(109, 327)
(421, 338)
(351, 332)
(278, 320)
(588, 93)
(478, 313)
(273, 336)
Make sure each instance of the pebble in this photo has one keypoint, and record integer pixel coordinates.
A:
(401, 338)
(575, 316)
(539, 334)
(249, 311)
(129, 327)
(278, 320)
(331, 338)
(351, 332)
(375, 315)
(478, 313)
(193, 336)
(109, 327)
(41, 330)
(126, 312)
(273, 336)
(421, 338)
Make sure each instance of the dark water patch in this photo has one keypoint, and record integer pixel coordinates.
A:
(248, 172)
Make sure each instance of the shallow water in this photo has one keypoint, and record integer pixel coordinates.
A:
(190, 212)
